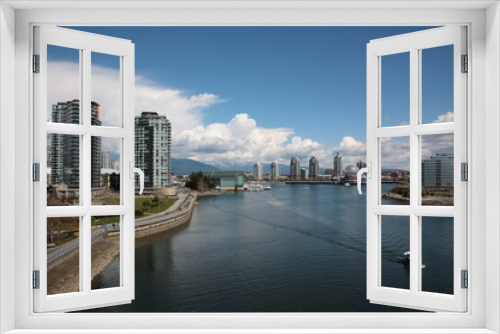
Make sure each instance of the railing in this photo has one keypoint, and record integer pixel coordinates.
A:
(70, 248)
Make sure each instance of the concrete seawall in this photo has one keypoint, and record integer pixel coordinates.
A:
(163, 226)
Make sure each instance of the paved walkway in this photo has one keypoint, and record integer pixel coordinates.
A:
(182, 197)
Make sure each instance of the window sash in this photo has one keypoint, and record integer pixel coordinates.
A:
(86, 44)
(413, 43)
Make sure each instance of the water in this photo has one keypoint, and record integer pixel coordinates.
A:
(296, 248)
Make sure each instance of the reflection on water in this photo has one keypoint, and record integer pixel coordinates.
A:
(292, 249)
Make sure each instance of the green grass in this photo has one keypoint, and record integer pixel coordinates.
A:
(112, 201)
(139, 205)
(164, 206)
(106, 220)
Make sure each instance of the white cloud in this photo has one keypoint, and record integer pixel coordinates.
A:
(239, 141)
(448, 117)
(395, 153)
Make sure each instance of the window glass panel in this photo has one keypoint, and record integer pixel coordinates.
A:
(395, 90)
(106, 178)
(63, 169)
(395, 234)
(105, 252)
(437, 84)
(106, 90)
(395, 170)
(63, 85)
(63, 255)
(437, 254)
(437, 169)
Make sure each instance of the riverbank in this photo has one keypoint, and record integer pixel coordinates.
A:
(434, 196)
(64, 276)
(218, 192)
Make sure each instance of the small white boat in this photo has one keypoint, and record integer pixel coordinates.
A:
(347, 184)
(406, 259)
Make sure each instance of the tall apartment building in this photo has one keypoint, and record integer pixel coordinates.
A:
(153, 137)
(304, 174)
(314, 167)
(295, 168)
(65, 149)
(106, 160)
(338, 165)
(257, 171)
(437, 171)
(275, 170)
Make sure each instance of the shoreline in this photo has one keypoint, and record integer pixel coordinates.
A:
(64, 276)
(430, 200)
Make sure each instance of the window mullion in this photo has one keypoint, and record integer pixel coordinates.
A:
(415, 270)
(86, 168)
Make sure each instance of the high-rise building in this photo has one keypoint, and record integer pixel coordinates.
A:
(295, 168)
(115, 164)
(275, 170)
(338, 165)
(313, 167)
(257, 171)
(106, 160)
(153, 137)
(304, 174)
(96, 147)
(65, 149)
(437, 171)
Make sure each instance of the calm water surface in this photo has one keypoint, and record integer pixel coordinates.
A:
(296, 248)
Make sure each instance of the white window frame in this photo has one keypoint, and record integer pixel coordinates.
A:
(483, 21)
(85, 44)
(414, 44)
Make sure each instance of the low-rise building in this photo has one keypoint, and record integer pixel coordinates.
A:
(226, 179)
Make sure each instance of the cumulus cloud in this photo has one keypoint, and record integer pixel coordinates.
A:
(448, 117)
(239, 140)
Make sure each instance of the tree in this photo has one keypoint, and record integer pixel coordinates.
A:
(198, 181)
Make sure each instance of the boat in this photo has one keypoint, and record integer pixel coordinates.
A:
(406, 259)
(347, 184)
(256, 187)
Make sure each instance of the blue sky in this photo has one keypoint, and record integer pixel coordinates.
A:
(308, 79)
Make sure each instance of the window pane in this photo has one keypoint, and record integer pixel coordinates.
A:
(395, 234)
(105, 252)
(437, 254)
(63, 85)
(437, 169)
(63, 169)
(106, 90)
(63, 255)
(437, 84)
(395, 170)
(106, 177)
(395, 90)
